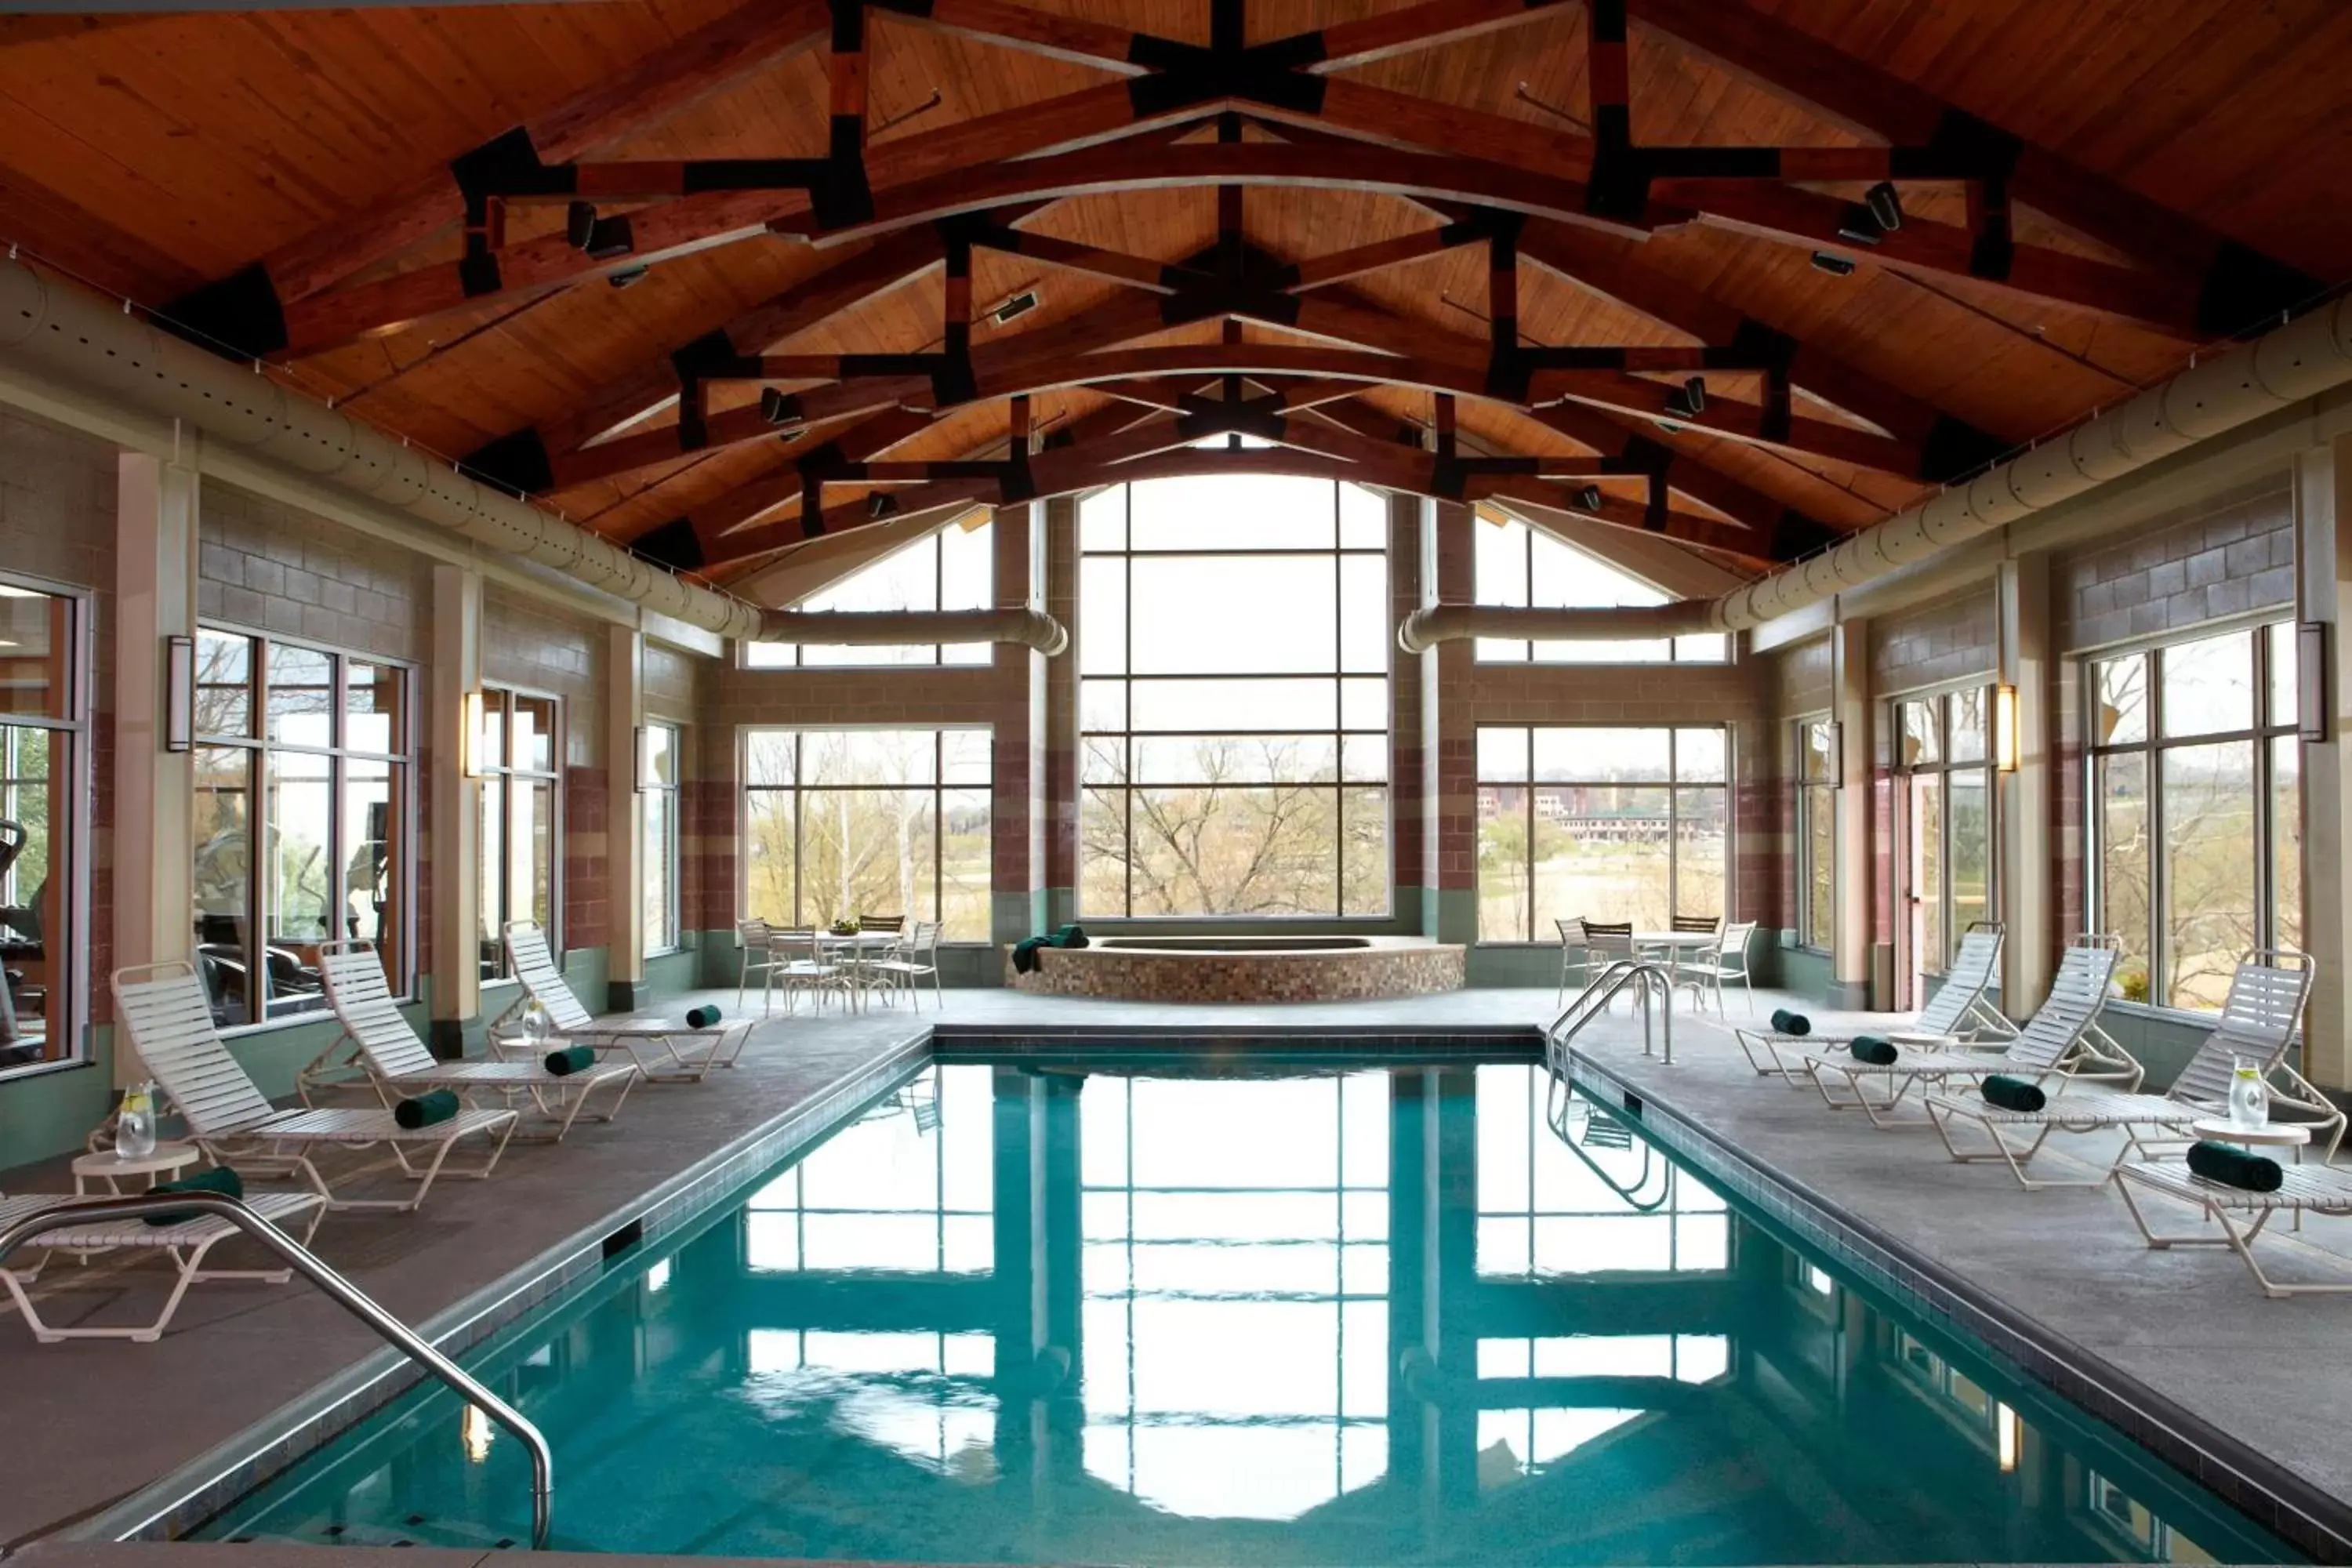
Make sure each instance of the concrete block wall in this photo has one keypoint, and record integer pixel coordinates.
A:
(2224, 557)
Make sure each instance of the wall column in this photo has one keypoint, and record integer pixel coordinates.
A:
(1853, 955)
(2029, 849)
(1449, 759)
(624, 710)
(154, 790)
(2322, 518)
(1054, 723)
(454, 806)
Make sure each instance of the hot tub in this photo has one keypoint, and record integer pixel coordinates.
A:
(1244, 969)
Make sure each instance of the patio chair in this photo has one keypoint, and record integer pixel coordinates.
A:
(757, 939)
(2258, 1024)
(186, 1244)
(1957, 1015)
(1726, 961)
(2061, 1038)
(2303, 1190)
(164, 1008)
(810, 973)
(397, 1062)
(662, 1051)
(917, 956)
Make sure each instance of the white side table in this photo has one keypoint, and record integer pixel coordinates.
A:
(112, 1168)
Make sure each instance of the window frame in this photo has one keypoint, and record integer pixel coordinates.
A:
(1126, 736)
(1483, 650)
(1812, 795)
(1672, 784)
(673, 790)
(2266, 730)
(1941, 698)
(79, 786)
(504, 773)
(938, 788)
(402, 759)
(930, 538)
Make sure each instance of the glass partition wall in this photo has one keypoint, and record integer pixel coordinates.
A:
(43, 785)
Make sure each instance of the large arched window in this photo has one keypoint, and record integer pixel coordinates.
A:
(1234, 699)
(1517, 566)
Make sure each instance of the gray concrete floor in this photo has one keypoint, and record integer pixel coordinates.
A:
(2189, 1324)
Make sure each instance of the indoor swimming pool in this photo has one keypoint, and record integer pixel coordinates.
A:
(1053, 1312)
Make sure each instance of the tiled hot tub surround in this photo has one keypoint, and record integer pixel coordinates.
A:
(2290, 1508)
(1384, 967)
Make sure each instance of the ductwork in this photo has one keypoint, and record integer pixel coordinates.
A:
(870, 629)
(52, 327)
(2310, 355)
(1426, 627)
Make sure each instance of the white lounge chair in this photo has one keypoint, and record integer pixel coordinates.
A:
(662, 1050)
(2258, 1023)
(2303, 1190)
(396, 1061)
(2058, 1040)
(164, 1008)
(1957, 1015)
(186, 1244)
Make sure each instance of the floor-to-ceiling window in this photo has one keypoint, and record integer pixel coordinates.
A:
(953, 568)
(519, 755)
(2194, 809)
(1234, 699)
(1944, 790)
(43, 784)
(1816, 837)
(1598, 823)
(1517, 566)
(842, 823)
(302, 810)
(658, 846)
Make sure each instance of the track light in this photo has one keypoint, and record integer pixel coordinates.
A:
(1836, 266)
(1014, 307)
(628, 276)
(879, 504)
(1589, 499)
(601, 237)
(781, 410)
(1689, 401)
(1858, 225)
(1886, 206)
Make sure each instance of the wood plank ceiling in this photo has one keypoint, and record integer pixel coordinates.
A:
(1746, 276)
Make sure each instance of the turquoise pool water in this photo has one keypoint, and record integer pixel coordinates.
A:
(1151, 1315)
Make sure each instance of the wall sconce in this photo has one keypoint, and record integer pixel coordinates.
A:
(2004, 728)
(2311, 681)
(179, 693)
(644, 758)
(471, 711)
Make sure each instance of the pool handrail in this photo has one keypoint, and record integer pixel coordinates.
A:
(1654, 982)
(303, 1261)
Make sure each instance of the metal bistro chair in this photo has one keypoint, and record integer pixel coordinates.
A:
(1607, 942)
(901, 966)
(757, 939)
(1728, 960)
(811, 972)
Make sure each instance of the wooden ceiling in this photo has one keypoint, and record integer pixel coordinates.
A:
(1462, 247)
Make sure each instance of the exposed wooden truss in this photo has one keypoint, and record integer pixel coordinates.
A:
(1572, 206)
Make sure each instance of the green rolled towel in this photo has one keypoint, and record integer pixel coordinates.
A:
(1025, 954)
(1073, 935)
(2235, 1167)
(703, 1017)
(2014, 1093)
(220, 1180)
(1787, 1023)
(1872, 1049)
(570, 1059)
(425, 1109)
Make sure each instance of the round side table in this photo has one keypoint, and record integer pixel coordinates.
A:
(112, 1168)
(2268, 1135)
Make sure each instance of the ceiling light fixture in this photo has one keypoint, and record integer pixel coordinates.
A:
(1589, 499)
(1689, 401)
(1836, 266)
(1885, 205)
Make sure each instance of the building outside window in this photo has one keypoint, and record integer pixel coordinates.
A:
(1234, 699)
(1944, 806)
(2195, 812)
(658, 797)
(843, 823)
(1598, 823)
(951, 569)
(303, 807)
(1521, 566)
(43, 784)
(518, 754)
(1817, 772)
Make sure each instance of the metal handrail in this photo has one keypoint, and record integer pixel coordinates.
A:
(1655, 984)
(399, 1335)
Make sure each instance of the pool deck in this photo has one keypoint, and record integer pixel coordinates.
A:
(2189, 1325)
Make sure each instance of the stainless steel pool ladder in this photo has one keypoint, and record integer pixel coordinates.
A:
(1653, 994)
(399, 1335)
